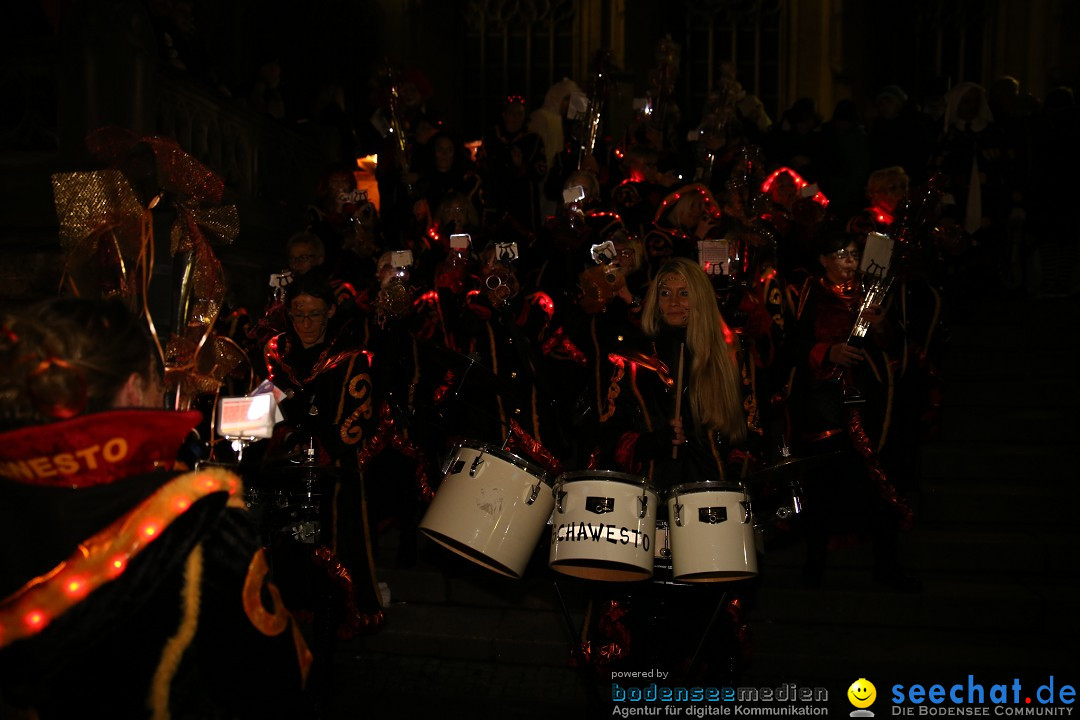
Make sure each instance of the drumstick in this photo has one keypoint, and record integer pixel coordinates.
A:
(678, 397)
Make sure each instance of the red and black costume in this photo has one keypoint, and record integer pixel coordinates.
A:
(852, 495)
(658, 624)
(331, 403)
(132, 589)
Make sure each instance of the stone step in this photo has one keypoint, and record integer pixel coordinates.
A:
(442, 577)
(967, 362)
(1038, 390)
(849, 598)
(475, 633)
(393, 685)
(991, 503)
(835, 655)
(1021, 462)
(1008, 424)
(970, 553)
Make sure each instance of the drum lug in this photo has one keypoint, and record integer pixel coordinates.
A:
(476, 463)
(678, 513)
(533, 494)
(644, 509)
(747, 512)
(450, 461)
(559, 497)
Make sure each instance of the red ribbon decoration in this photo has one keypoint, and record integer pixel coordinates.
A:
(861, 440)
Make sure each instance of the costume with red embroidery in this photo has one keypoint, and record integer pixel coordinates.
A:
(332, 407)
(119, 571)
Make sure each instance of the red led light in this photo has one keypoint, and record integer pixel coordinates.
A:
(76, 587)
(35, 618)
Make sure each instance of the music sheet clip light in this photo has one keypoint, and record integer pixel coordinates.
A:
(251, 417)
(714, 256)
(877, 254)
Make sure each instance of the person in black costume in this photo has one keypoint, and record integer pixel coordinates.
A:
(835, 394)
(130, 587)
(655, 624)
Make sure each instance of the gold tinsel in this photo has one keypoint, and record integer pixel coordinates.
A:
(106, 231)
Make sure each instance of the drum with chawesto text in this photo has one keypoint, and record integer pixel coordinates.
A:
(604, 526)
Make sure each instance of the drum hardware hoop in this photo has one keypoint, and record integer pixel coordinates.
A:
(450, 459)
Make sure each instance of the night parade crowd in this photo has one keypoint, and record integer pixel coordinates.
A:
(678, 302)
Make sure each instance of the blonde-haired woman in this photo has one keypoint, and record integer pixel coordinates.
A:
(639, 431)
(681, 324)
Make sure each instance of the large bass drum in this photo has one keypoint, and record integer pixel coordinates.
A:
(491, 507)
(604, 526)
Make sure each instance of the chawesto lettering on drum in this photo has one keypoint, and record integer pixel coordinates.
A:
(92, 457)
(582, 531)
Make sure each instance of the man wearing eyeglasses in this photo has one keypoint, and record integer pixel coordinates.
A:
(330, 410)
(305, 251)
(838, 396)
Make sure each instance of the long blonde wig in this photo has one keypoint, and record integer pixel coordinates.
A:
(715, 385)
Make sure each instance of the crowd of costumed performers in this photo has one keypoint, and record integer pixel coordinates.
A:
(691, 357)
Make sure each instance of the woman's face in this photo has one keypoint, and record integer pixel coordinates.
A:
(454, 218)
(694, 212)
(514, 117)
(444, 154)
(304, 256)
(840, 266)
(310, 316)
(674, 296)
(784, 190)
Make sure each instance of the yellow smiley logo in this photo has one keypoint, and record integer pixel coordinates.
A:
(862, 693)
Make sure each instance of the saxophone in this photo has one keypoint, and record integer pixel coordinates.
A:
(397, 130)
(597, 87)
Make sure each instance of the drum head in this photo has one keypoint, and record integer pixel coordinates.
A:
(707, 486)
(609, 475)
(508, 457)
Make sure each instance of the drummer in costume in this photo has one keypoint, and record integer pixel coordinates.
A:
(503, 328)
(649, 429)
(837, 387)
(330, 415)
(130, 587)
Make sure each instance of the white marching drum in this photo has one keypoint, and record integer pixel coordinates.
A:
(604, 526)
(491, 508)
(712, 532)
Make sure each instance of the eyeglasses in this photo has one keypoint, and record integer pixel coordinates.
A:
(312, 316)
(844, 254)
